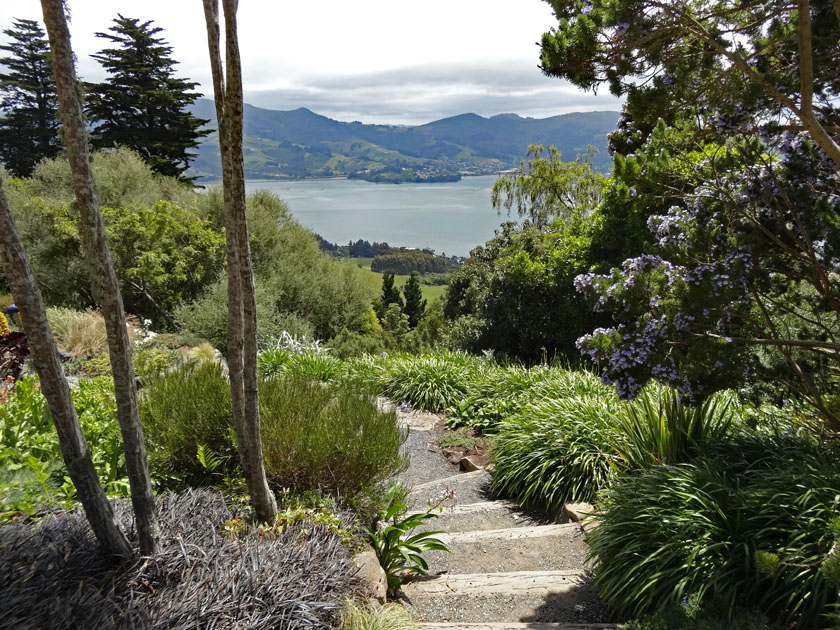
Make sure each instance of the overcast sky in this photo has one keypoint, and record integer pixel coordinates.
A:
(382, 61)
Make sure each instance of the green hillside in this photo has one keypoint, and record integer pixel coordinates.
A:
(301, 143)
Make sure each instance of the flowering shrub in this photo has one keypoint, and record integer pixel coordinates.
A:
(740, 282)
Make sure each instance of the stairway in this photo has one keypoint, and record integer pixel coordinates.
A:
(507, 570)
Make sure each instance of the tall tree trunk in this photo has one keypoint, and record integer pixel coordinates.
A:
(56, 390)
(242, 315)
(103, 276)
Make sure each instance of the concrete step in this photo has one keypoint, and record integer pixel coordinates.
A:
(518, 625)
(518, 596)
(534, 548)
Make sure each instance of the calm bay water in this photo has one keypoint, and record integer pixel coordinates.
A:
(450, 218)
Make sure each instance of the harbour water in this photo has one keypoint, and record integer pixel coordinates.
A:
(450, 218)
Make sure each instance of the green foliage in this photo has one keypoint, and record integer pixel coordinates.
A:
(516, 296)
(299, 288)
(706, 529)
(689, 616)
(373, 616)
(431, 382)
(547, 188)
(163, 250)
(29, 126)
(462, 437)
(182, 410)
(406, 263)
(658, 429)
(97, 365)
(318, 366)
(390, 295)
(141, 104)
(153, 361)
(415, 305)
(330, 437)
(401, 554)
(557, 450)
(33, 473)
(500, 392)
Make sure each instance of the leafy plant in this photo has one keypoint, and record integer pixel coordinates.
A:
(153, 361)
(557, 450)
(658, 429)
(32, 471)
(182, 409)
(401, 554)
(710, 529)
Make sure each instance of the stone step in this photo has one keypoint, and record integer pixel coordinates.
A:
(534, 548)
(484, 515)
(518, 596)
(517, 625)
(472, 487)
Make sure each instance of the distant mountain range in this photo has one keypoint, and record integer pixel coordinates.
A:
(300, 143)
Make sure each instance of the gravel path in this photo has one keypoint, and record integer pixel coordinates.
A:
(563, 550)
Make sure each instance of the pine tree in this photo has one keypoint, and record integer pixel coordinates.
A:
(141, 105)
(29, 128)
(415, 305)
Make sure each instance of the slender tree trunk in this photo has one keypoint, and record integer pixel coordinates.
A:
(103, 276)
(242, 315)
(56, 390)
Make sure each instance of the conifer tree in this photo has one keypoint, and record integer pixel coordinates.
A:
(29, 127)
(415, 305)
(142, 105)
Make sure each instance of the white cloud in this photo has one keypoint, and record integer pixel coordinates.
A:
(372, 60)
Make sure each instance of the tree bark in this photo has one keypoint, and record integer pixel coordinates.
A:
(242, 316)
(74, 448)
(103, 276)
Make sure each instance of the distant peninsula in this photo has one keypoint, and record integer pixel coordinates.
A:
(301, 144)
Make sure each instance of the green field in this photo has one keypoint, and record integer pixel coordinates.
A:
(374, 279)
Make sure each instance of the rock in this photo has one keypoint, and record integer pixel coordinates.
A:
(468, 465)
(453, 454)
(575, 512)
(371, 573)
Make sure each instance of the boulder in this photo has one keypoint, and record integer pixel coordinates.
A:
(371, 573)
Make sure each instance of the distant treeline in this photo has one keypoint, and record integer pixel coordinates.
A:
(405, 263)
(396, 260)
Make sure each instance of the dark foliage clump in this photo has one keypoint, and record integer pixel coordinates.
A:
(52, 575)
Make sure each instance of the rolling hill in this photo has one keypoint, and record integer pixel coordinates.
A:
(301, 143)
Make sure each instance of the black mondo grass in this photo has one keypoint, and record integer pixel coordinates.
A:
(53, 576)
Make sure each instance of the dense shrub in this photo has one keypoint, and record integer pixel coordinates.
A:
(328, 437)
(516, 295)
(299, 288)
(751, 524)
(319, 366)
(181, 410)
(498, 393)
(405, 263)
(53, 575)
